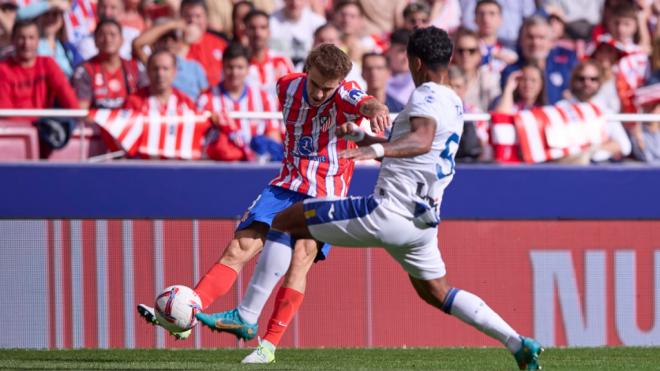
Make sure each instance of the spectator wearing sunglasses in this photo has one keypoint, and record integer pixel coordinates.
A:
(584, 86)
(483, 83)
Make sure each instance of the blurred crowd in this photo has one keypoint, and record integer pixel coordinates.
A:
(159, 56)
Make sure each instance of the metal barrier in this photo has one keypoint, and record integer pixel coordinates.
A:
(82, 113)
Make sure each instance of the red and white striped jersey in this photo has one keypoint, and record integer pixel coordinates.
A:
(217, 99)
(266, 73)
(311, 164)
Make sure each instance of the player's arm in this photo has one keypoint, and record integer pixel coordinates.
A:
(377, 113)
(352, 132)
(417, 142)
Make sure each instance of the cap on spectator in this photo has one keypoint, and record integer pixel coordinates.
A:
(416, 8)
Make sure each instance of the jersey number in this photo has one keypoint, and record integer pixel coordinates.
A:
(448, 154)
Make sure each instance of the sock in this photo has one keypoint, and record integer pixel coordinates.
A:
(287, 303)
(215, 283)
(470, 309)
(271, 267)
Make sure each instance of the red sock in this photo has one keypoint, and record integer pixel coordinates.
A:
(215, 283)
(287, 303)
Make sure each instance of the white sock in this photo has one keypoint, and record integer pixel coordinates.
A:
(273, 263)
(470, 309)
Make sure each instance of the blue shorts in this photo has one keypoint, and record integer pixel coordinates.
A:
(271, 202)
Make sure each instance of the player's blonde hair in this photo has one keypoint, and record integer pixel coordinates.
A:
(330, 61)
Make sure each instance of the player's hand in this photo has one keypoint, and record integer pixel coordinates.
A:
(361, 153)
(350, 131)
(380, 120)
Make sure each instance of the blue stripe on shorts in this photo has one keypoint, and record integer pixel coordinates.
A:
(320, 212)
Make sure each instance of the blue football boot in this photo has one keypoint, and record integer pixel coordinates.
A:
(229, 321)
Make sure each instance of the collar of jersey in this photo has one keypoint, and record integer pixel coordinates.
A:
(226, 93)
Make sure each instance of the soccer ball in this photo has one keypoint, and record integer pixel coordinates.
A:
(176, 307)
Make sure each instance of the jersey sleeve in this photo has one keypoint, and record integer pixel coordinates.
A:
(351, 97)
(425, 102)
(439, 104)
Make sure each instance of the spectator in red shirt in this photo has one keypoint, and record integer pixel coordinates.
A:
(105, 80)
(160, 97)
(205, 48)
(266, 67)
(31, 81)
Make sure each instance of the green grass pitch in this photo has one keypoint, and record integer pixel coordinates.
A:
(330, 359)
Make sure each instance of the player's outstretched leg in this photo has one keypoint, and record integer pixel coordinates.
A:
(273, 263)
(217, 281)
(149, 315)
(472, 310)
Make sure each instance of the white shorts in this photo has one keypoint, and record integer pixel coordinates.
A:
(373, 222)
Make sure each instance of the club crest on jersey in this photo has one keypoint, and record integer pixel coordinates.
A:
(325, 123)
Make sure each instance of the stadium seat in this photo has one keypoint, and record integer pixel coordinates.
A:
(19, 141)
(93, 145)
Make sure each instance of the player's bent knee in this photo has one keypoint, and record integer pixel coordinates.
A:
(433, 291)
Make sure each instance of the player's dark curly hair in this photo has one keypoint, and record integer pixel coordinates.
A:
(432, 46)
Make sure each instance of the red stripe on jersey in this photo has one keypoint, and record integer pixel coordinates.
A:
(90, 285)
(542, 121)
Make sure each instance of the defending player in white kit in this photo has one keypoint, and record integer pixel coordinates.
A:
(403, 213)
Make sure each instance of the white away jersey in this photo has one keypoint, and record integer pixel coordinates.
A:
(406, 180)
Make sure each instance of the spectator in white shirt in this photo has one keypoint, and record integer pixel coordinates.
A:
(292, 28)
